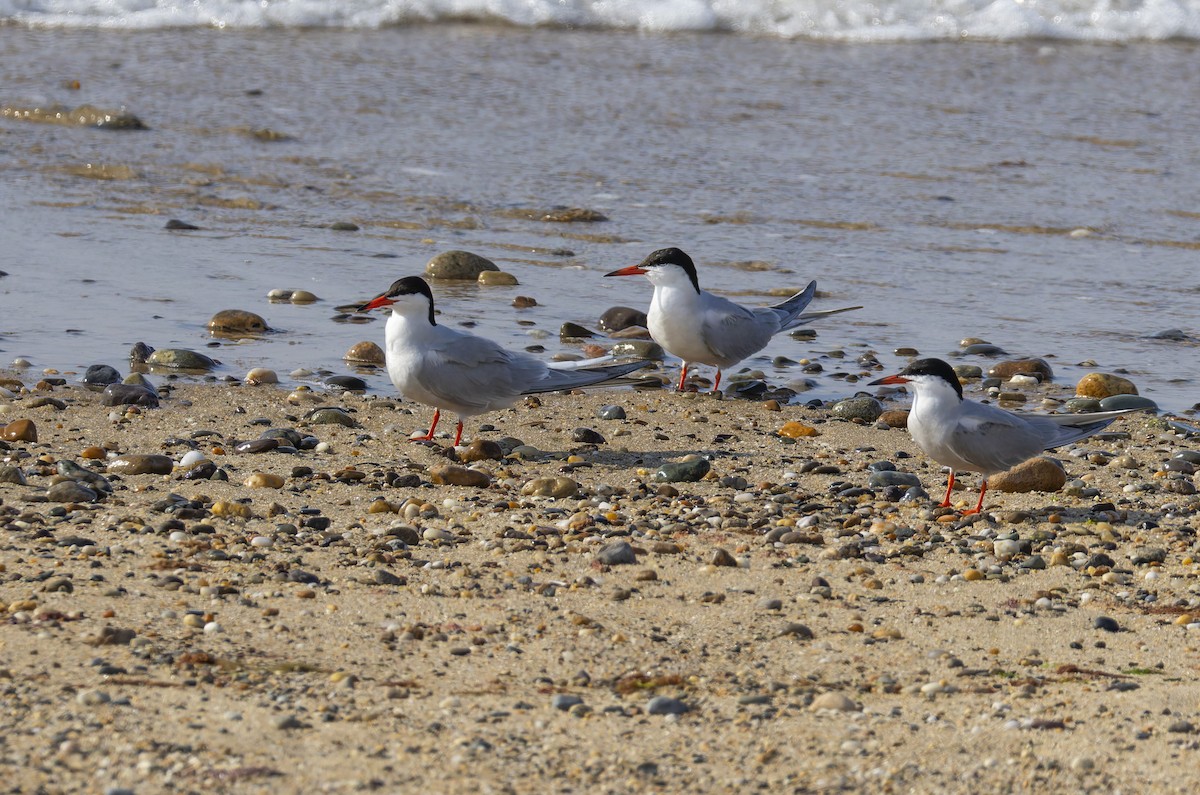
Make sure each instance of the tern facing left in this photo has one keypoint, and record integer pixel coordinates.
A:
(460, 372)
(975, 437)
(702, 328)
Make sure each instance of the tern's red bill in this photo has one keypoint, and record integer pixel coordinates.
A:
(375, 303)
(891, 379)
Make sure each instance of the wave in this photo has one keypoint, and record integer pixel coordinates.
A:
(842, 20)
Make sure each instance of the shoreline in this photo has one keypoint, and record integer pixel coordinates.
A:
(776, 624)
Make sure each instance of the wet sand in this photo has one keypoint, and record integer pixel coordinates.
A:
(307, 638)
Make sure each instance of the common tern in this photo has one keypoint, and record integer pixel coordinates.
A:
(702, 328)
(975, 437)
(460, 372)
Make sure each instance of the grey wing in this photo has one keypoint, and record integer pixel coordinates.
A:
(996, 443)
(734, 332)
(556, 379)
(477, 373)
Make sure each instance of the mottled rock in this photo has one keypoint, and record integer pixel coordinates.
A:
(1037, 474)
(11, 474)
(888, 478)
(141, 464)
(237, 323)
(611, 412)
(181, 359)
(721, 557)
(639, 349)
(331, 415)
(462, 265)
(1102, 385)
(861, 407)
(895, 418)
(587, 436)
(70, 491)
(616, 553)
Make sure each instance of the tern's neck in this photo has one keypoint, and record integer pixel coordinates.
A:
(936, 399)
(409, 327)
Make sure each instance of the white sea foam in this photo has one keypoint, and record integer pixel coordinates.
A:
(850, 20)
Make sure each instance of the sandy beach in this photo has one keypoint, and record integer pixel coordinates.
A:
(328, 618)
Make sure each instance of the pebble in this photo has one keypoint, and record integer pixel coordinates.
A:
(887, 478)
(350, 383)
(66, 491)
(564, 701)
(282, 295)
(834, 701)
(573, 331)
(618, 318)
(1039, 474)
(365, 352)
(1118, 402)
(141, 464)
(497, 279)
(264, 480)
(101, 375)
(639, 349)
(128, 395)
(665, 705)
(1005, 370)
(181, 359)
(1107, 624)
(261, 375)
(458, 265)
(21, 430)
(481, 450)
(611, 412)
(237, 323)
(452, 475)
(862, 407)
(331, 415)
(683, 471)
(587, 436)
(557, 487)
(616, 553)
(797, 430)
(1102, 385)
(12, 474)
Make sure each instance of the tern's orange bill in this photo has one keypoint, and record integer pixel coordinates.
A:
(375, 303)
(632, 270)
(890, 379)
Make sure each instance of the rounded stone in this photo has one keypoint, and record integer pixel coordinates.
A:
(22, 430)
(181, 359)
(461, 265)
(451, 475)
(611, 412)
(1040, 474)
(350, 383)
(237, 323)
(70, 491)
(1119, 402)
(262, 375)
(895, 418)
(639, 349)
(837, 702)
(497, 279)
(264, 480)
(141, 464)
(574, 331)
(886, 478)
(101, 375)
(557, 487)
(330, 415)
(862, 407)
(1007, 369)
(665, 705)
(683, 471)
(128, 395)
(1102, 385)
(616, 553)
(618, 318)
(481, 450)
(365, 352)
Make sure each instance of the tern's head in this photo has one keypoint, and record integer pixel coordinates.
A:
(407, 296)
(926, 375)
(667, 267)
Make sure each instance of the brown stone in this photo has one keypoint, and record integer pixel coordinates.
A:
(481, 450)
(1036, 474)
(895, 418)
(1007, 369)
(19, 431)
(450, 475)
(365, 352)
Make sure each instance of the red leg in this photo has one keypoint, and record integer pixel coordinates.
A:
(949, 487)
(682, 377)
(437, 414)
(717, 383)
(978, 505)
(458, 434)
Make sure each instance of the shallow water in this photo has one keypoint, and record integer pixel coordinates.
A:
(1041, 196)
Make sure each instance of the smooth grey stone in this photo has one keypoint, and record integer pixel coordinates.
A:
(181, 359)
(128, 395)
(1082, 405)
(564, 701)
(611, 413)
(93, 480)
(1117, 402)
(618, 318)
(385, 577)
(683, 471)
(969, 371)
(665, 705)
(983, 349)
(351, 383)
(574, 331)
(616, 553)
(1191, 456)
(886, 478)
(290, 435)
(1107, 624)
(461, 265)
(11, 474)
(640, 349)
(101, 375)
(256, 445)
(586, 436)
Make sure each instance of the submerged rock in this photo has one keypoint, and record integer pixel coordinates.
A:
(458, 265)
